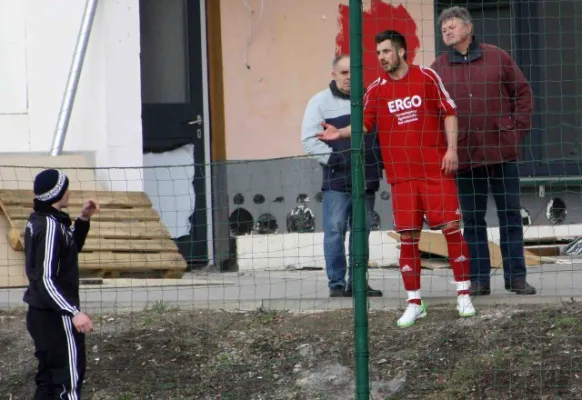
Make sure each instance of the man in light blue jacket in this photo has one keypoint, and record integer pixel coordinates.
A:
(333, 106)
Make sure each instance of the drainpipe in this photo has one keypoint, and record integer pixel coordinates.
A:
(73, 79)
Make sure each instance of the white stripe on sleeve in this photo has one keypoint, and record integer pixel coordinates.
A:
(439, 83)
(51, 231)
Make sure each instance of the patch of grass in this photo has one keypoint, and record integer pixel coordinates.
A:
(159, 306)
(566, 322)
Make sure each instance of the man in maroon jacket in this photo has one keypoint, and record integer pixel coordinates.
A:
(494, 108)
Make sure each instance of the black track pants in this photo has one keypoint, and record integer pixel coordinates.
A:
(60, 351)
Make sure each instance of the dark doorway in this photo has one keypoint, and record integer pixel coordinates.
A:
(173, 100)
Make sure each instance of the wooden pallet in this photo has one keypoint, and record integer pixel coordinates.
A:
(18, 172)
(127, 237)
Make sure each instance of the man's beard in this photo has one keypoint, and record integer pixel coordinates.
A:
(394, 67)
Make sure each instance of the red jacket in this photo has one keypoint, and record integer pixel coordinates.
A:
(494, 103)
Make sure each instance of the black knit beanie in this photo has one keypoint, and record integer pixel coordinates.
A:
(50, 186)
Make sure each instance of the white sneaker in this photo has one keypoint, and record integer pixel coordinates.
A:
(411, 314)
(465, 306)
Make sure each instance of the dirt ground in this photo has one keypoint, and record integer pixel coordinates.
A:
(520, 352)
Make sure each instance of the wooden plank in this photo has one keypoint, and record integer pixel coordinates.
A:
(15, 212)
(103, 264)
(128, 262)
(136, 245)
(145, 275)
(119, 230)
(434, 264)
(106, 199)
(115, 245)
(129, 230)
(548, 240)
(15, 280)
(435, 243)
(13, 276)
(545, 250)
(12, 272)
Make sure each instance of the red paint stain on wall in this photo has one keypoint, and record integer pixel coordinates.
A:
(379, 17)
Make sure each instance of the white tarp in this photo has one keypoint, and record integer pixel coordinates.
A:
(168, 181)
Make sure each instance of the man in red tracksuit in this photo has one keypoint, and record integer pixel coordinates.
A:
(408, 105)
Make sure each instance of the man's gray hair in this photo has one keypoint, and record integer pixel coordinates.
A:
(337, 59)
(455, 12)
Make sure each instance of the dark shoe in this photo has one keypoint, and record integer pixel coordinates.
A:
(337, 291)
(371, 292)
(520, 287)
(480, 289)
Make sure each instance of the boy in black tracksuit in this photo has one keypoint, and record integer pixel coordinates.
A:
(54, 320)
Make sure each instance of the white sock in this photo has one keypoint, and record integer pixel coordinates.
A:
(464, 286)
(413, 295)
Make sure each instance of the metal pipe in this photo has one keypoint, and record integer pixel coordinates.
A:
(73, 78)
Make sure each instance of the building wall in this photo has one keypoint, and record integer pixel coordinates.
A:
(37, 40)
(277, 54)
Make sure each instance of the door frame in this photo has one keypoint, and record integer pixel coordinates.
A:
(225, 249)
(207, 133)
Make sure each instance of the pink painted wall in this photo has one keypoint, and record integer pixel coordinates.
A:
(278, 53)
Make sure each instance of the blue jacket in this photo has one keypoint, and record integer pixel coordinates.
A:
(334, 107)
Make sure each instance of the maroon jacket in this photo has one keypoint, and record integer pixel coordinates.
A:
(494, 103)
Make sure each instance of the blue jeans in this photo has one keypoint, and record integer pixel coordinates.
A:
(337, 211)
(474, 186)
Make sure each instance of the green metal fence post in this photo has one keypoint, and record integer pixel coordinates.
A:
(359, 237)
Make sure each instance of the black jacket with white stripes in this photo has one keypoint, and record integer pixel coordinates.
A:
(52, 266)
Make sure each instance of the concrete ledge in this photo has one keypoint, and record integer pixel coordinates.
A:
(392, 303)
(558, 181)
(153, 283)
(303, 250)
(105, 307)
(312, 305)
